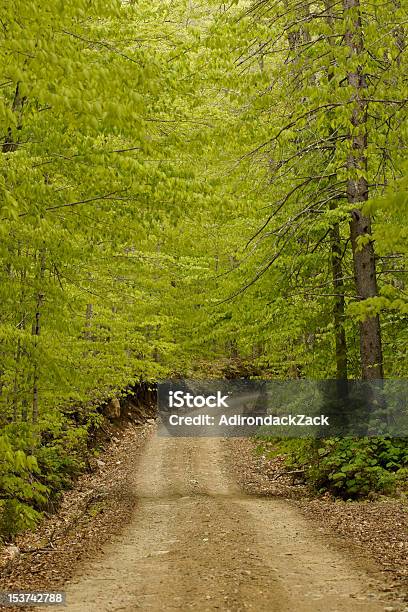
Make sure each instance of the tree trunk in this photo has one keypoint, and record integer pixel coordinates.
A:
(338, 306)
(36, 332)
(357, 193)
(336, 258)
(88, 321)
(10, 143)
(16, 381)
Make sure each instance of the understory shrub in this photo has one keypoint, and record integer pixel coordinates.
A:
(348, 468)
(21, 492)
(36, 465)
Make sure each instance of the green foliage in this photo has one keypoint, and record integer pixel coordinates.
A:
(170, 177)
(401, 479)
(36, 465)
(354, 468)
(90, 192)
(16, 516)
(347, 467)
(21, 489)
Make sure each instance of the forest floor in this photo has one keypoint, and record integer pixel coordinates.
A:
(200, 524)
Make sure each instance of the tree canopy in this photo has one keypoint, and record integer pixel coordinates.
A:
(192, 189)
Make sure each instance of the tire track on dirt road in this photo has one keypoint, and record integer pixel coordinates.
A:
(196, 542)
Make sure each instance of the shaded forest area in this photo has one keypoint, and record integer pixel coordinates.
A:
(197, 189)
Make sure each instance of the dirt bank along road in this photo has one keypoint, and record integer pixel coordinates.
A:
(196, 542)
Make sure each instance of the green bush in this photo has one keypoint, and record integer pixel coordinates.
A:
(16, 516)
(401, 479)
(22, 493)
(349, 468)
(353, 468)
(35, 466)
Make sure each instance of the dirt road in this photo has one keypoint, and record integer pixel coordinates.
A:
(197, 542)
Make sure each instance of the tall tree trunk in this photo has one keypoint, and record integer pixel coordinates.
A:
(336, 256)
(338, 306)
(357, 193)
(36, 332)
(16, 381)
(21, 324)
(335, 243)
(88, 321)
(399, 36)
(10, 143)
